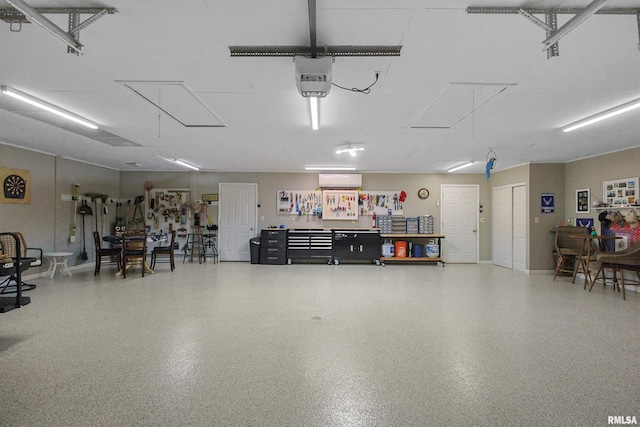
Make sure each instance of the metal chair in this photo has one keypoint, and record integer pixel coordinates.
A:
(164, 252)
(113, 255)
(627, 259)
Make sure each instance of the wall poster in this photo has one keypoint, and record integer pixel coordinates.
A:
(16, 186)
(620, 192)
(340, 204)
(547, 203)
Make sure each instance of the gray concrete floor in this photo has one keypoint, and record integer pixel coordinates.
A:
(234, 344)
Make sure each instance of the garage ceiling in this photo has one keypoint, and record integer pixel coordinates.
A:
(158, 78)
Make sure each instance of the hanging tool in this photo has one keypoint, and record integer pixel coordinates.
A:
(84, 210)
(76, 195)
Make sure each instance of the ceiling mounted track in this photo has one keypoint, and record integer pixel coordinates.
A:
(554, 34)
(308, 51)
(313, 51)
(22, 13)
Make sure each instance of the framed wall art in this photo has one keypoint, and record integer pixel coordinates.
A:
(210, 198)
(620, 192)
(583, 200)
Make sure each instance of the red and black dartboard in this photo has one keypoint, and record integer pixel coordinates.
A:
(15, 187)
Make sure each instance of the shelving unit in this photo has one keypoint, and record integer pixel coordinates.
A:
(412, 237)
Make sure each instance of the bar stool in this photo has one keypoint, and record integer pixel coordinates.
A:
(195, 244)
(210, 245)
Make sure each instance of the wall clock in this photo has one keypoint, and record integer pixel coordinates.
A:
(423, 193)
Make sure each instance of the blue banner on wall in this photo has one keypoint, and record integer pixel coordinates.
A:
(547, 203)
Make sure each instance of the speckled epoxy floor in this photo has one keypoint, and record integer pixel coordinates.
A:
(234, 344)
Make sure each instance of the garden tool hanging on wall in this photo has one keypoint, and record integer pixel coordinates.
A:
(84, 210)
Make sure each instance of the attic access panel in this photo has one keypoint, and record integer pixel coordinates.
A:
(176, 100)
(456, 102)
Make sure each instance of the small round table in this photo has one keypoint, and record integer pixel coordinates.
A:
(58, 259)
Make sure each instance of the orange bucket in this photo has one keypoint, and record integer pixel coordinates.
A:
(401, 249)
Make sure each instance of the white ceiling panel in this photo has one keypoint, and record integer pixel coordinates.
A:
(177, 55)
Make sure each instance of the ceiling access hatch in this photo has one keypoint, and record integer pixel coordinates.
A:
(456, 102)
(176, 100)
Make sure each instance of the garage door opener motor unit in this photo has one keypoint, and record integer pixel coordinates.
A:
(313, 76)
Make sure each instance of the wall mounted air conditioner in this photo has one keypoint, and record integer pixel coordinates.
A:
(342, 180)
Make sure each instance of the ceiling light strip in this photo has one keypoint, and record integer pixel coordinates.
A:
(313, 105)
(185, 164)
(330, 168)
(16, 94)
(462, 166)
(629, 106)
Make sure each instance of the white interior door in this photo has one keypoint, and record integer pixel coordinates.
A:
(509, 225)
(502, 226)
(520, 228)
(459, 223)
(237, 218)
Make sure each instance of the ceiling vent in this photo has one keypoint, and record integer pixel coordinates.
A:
(313, 76)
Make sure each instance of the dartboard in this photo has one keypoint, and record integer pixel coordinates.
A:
(14, 187)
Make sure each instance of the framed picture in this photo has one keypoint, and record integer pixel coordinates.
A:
(620, 192)
(583, 200)
(209, 197)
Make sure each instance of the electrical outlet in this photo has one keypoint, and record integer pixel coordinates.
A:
(537, 220)
(377, 74)
(262, 218)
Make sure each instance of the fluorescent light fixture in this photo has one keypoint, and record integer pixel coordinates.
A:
(181, 163)
(330, 168)
(16, 94)
(462, 166)
(632, 105)
(573, 23)
(185, 164)
(38, 18)
(350, 150)
(313, 104)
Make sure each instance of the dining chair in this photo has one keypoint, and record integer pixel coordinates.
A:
(134, 250)
(112, 255)
(568, 249)
(627, 259)
(165, 253)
